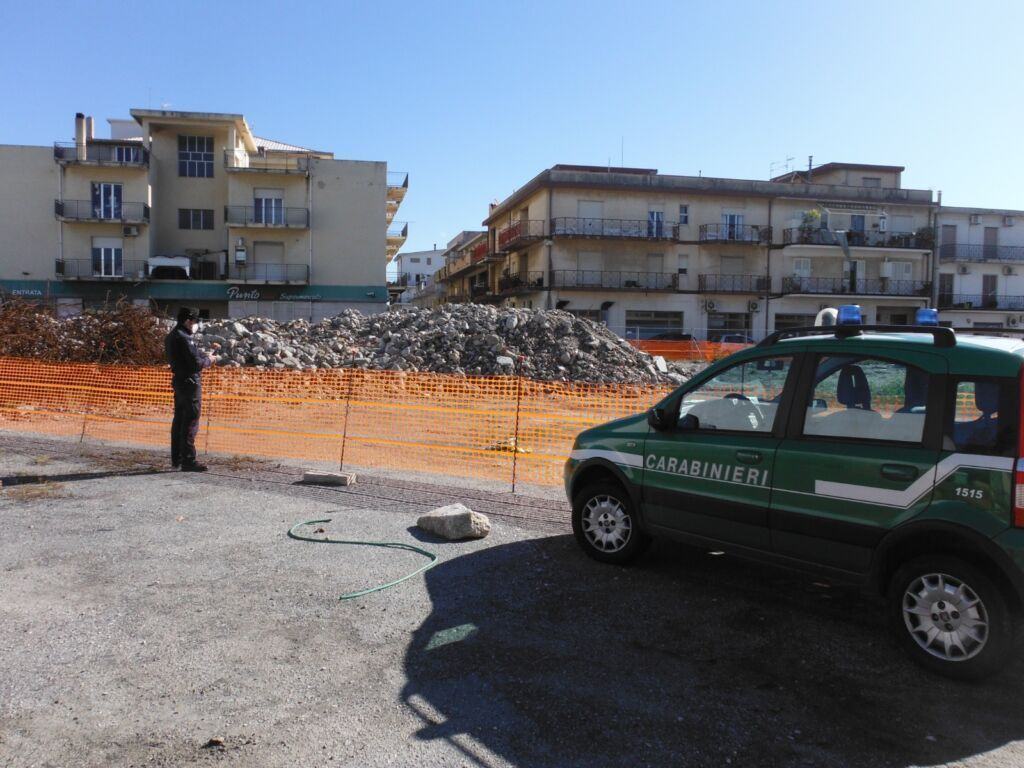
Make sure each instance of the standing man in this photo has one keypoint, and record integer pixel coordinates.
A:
(186, 369)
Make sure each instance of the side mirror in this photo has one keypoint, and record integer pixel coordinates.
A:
(656, 418)
(689, 422)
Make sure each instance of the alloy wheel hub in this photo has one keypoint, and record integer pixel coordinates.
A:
(945, 617)
(606, 524)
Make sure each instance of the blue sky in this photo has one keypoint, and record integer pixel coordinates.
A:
(473, 99)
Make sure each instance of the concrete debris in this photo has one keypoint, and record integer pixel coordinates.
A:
(317, 477)
(454, 522)
(461, 339)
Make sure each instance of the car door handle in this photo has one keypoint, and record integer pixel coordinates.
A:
(748, 457)
(899, 472)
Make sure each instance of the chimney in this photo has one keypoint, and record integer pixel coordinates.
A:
(80, 151)
(90, 128)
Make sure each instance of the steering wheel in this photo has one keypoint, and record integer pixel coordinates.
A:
(740, 400)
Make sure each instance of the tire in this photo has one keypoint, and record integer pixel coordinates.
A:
(605, 524)
(981, 640)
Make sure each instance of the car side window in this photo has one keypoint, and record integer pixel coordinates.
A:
(983, 416)
(867, 398)
(742, 398)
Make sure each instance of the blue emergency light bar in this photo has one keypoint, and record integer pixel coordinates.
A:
(849, 314)
(927, 316)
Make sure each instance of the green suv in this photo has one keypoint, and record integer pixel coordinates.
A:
(885, 455)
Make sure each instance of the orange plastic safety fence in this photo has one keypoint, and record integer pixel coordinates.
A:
(707, 351)
(492, 428)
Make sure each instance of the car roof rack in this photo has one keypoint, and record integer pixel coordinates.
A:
(943, 337)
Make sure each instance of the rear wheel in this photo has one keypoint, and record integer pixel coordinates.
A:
(950, 617)
(605, 525)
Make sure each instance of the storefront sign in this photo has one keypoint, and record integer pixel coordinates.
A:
(238, 294)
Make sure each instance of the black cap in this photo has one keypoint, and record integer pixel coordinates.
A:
(187, 313)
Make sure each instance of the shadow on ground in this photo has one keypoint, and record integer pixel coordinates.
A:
(67, 477)
(544, 657)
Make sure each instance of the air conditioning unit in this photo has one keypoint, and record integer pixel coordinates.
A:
(885, 269)
(1008, 271)
(130, 231)
(975, 218)
(1007, 221)
(709, 306)
(1012, 320)
(753, 306)
(963, 270)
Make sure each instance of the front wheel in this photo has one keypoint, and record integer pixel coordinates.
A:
(605, 525)
(950, 617)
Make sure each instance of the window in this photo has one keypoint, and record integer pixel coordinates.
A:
(428, 261)
(106, 200)
(684, 214)
(107, 257)
(195, 156)
(984, 417)
(128, 154)
(783, 322)
(586, 314)
(872, 181)
(802, 267)
(645, 323)
(195, 218)
(268, 206)
(867, 399)
(655, 223)
(730, 327)
(857, 222)
(683, 263)
(414, 259)
(743, 398)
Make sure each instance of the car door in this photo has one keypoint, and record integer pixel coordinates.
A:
(709, 471)
(859, 454)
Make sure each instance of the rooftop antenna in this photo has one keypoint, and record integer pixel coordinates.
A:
(776, 164)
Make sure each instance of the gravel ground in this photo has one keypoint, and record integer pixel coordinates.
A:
(144, 613)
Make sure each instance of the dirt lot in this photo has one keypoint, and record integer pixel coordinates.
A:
(144, 613)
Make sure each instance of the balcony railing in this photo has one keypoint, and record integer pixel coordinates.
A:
(521, 282)
(842, 285)
(129, 154)
(732, 283)
(398, 231)
(253, 216)
(618, 229)
(268, 273)
(478, 291)
(86, 210)
(397, 180)
(479, 251)
(593, 279)
(734, 233)
(519, 233)
(980, 252)
(872, 239)
(101, 269)
(980, 301)
(237, 160)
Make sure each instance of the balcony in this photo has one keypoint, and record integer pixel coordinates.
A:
(479, 251)
(981, 301)
(872, 239)
(521, 282)
(519, 234)
(979, 252)
(130, 155)
(478, 291)
(613, 229)
(832, 286)
(266, 217)
(239, 160)
(395, 238)
(735, 233)
(268, 273)
(397, 186)
(732, 284)
(89, 269)
(86, 210)
(600, 280)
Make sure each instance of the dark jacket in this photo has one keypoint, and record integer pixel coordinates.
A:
(185, 360)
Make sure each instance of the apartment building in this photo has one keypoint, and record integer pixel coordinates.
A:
(193, 208)
(414, 268)
(650, 253)
(981, 267)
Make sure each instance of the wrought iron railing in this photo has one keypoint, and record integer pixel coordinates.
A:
(129, 153)
(842, 285)
(238, 160)
(856, 239)
(87, 210)
(523, 231)
(521, 282)
(980, 301)
(102, 269)
(262, 216)
(732, 283)
(595, 279)
(269, 273)
(639, 229)
(980, 252)
(734, 233)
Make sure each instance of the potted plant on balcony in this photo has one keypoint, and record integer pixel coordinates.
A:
(925, 237)
(809, 224)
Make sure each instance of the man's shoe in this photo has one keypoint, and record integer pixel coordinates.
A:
(193, 467)
(176, 464)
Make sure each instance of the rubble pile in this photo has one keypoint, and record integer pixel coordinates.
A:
(461, 339)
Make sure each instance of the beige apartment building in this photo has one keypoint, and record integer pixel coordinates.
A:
(192, 207)
(652, 254)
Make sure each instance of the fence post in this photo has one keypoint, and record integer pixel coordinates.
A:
(85, 421)
(515, 434)
(206, 447)
(352, 372)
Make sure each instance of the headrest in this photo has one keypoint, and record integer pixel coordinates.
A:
(986, 396)
(852, 389)
(915, 388)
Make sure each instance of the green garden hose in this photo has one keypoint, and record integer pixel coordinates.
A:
(382, 544)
